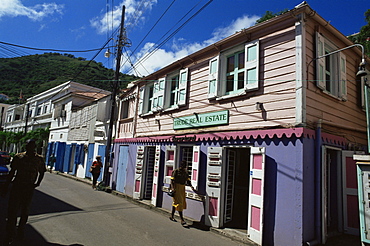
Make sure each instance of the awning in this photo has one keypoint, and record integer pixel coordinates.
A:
(239, 135)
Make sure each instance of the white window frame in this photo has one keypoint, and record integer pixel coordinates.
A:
(158, 94)
(145, 99)
(172, 91)
(160, 100)
(218, 67)
(180, 91)
(336, 86)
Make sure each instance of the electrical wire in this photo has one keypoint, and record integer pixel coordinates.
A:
(151, 52)
(47, 49)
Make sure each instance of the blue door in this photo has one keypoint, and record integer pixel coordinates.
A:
(101, 152)
(121, 168)
(76, 159)
(60, 149)
(90, 159)
(49, 151)
(67, 158)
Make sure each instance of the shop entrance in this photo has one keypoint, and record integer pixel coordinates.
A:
(236, 187)
(147, 173)
(339, 201)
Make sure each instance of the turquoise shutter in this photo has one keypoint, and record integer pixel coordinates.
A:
(342, 77)
(183, 84)
(158, 95)
(251, 65)
(161, 91)
(213, 77)
(141, 99)
(320, 63)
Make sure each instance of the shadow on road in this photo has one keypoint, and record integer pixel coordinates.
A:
(33, 237)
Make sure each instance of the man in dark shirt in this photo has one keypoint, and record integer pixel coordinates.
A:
(27, 172)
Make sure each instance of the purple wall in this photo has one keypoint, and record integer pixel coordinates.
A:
(289, 202)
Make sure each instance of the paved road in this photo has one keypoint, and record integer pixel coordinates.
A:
(67, 212)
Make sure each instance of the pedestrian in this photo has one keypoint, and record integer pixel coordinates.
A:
(179, 179)
(27, 171)
(52, 160)
(95, 170)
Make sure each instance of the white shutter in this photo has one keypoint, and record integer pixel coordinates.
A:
(213, 186)
(320, 63)
(57, 111)
(169, 166)
(138, 171)
(156, 175)
(195, 167)
(251, 76)
(342, 76)
(101, 114)
(183, 85)
(160, 93)
(141, 99)
(213, 80)
(256, 192)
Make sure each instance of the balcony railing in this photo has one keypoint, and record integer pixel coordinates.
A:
(126, 128)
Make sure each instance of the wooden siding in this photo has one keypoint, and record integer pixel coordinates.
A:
(344, 118)
(276, 92)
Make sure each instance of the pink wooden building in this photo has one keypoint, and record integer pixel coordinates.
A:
(268, 120)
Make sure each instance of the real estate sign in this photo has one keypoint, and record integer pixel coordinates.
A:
(201, 120)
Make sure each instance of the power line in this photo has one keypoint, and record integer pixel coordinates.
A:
(47, 49)
(150, 53)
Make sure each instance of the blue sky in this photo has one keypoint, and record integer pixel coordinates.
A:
(161, 25)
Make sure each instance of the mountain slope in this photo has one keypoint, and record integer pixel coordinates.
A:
(36, 73)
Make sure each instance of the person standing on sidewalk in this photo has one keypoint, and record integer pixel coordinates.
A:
(27, 171)
(52, 160)
(179, 179)
(95, 170)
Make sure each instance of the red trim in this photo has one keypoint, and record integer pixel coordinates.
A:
(254, 134)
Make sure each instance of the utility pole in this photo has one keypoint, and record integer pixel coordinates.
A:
(120, 44)
(27, 115)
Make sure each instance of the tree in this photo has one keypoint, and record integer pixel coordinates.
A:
(363, 37)
(41, 136)
(18, 139)
(269, 15)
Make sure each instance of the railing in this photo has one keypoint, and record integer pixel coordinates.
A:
(126, 128)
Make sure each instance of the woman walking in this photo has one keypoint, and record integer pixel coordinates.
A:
(95, 170)
(179, 179)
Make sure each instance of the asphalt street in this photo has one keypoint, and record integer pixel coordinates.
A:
(67, 212)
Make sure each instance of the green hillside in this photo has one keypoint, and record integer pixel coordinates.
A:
(36, 73)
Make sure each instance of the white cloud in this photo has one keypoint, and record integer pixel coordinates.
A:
(149, 63)
(15, 8)
(134, 10)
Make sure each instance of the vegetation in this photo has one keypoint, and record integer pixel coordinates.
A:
(269, 15)
(363, 37)
(19, 139)
(31, 75)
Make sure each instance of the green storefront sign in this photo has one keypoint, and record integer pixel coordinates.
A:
(202, 120)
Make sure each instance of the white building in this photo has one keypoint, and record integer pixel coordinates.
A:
(77, 117)
(78, 127)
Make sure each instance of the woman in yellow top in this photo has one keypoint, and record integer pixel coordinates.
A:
(179, 179)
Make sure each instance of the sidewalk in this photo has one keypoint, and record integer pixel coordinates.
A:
(239, 236)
